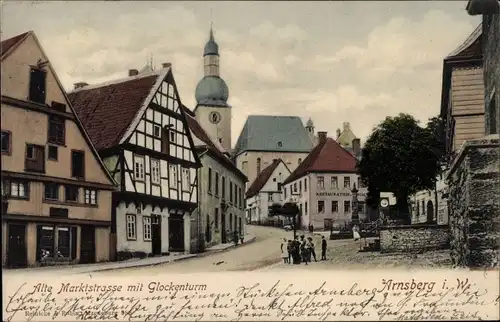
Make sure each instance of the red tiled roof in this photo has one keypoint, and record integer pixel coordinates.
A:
(262, 178)
(107, 111)
(200, 133)
(7, 44)
(328, 156)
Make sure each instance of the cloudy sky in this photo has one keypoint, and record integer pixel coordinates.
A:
(331, 61)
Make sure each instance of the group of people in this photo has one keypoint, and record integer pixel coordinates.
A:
(301, 251)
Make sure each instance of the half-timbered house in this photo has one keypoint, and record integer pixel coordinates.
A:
(56, 191)
(140, 131)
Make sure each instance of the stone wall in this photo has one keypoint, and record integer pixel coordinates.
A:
(474, 204)
(491, 48)
(413, 238)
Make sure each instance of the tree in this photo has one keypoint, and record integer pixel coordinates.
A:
(289, 210)
(437, 127)
(400, 157)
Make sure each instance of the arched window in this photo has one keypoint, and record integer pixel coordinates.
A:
(258, 166)
(300, 161)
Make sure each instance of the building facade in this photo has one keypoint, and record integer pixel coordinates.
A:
(322, 186)
(264, 191)
(431, 206)
(55, 188)
(265, 138)
(140, 130)
(221, 191)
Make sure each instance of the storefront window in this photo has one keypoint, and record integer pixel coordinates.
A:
(56, 242)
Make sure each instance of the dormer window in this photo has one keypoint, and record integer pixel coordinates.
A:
(37, 90)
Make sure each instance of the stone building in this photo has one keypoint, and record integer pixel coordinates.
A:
(221, 188)
(431, 206)
(264, 191)
(322, 184)
(56, 191)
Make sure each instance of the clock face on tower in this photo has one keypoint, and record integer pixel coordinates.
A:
(214, 117)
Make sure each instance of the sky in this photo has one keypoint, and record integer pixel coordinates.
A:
(335, 62)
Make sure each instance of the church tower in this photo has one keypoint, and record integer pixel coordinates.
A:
(212, 110)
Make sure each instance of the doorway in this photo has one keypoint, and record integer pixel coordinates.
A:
(87, 245)
(176, 233)
(223, 229)
(16, 249)
(156, 234)
(430, 212)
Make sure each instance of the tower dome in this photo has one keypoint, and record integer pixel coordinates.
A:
(212, 90)
(211, 47)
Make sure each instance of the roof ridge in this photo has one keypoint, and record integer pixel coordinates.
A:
(120, 80)
(262, 178)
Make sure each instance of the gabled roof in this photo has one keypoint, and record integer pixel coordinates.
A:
(262, 178)
(471, 47)
(108, 109)
(273, 133)
(209, 144)
(8, 44)
(327, 156)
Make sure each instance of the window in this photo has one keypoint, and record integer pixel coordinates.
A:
(230, 192)
(138, 168)
(321, 206)
(35, 158)
(216, 220)
(258, 166)
(347, 182)
(305, 208)
(223, 192)
(186, 180)
(172, 136)
(347, 206)
(300, 186)
(335, 206)
(321, 182)
(52, 154)
(305, 184)
(295, 187)
(492, 115)
(284, 192)
(216, 184)
(300, 161)
(71, 193)
(90, 197)
(146, 221)
(15, 189)
(77, 164)
(63, 242)
(6, 142)
(209, 180)
(270, 197)
(334, 183)
(173, 179)
(155, 171)
(51, 191)
(131, 227)
(165, 140)
(156, 130)
(56, 130)
(47, 247)
(37, 85)
(244, 167)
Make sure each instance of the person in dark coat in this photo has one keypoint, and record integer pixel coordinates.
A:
(323, 248)
(311, 249)
(304, 251)
(296, 251)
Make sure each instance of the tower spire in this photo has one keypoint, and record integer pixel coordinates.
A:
(211, 26)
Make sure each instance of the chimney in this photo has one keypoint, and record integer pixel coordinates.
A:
(133, 72)
(338, 133)
(322, 137)
(80, 85)
(356, 147)
(347, 126)
(166, 65)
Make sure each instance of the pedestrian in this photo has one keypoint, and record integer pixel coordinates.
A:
(284, 251)
(289, 249)
(355, 233)
(323, 248)
(311, 249)
(296, 250)
(304, 249)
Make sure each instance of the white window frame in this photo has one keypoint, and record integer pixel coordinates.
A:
(321, 182)
(334, 182)
(156, 127)
(139, 174)
(173, 178)
(350, 206)
(90, 197)
(155, 171)
(323, 203)
(186, 179)
(347, 180)
(131, 226)
(19, 189)
(146, 230)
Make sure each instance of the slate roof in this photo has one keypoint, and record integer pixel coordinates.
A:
(108, 109)
(7, 44)
(262, 178)
(328, 156)
(472, 46)
(273, 133)
(201, 134)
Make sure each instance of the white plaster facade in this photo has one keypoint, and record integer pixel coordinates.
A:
(257, 206)
(423, 205)
(309, 192)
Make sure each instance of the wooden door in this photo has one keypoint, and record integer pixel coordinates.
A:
(223, 229)
(176, 234)
(16, 248)
(156, 234)
(430, 212)
(87, 245)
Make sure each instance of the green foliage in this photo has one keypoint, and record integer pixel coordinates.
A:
(401, 157)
